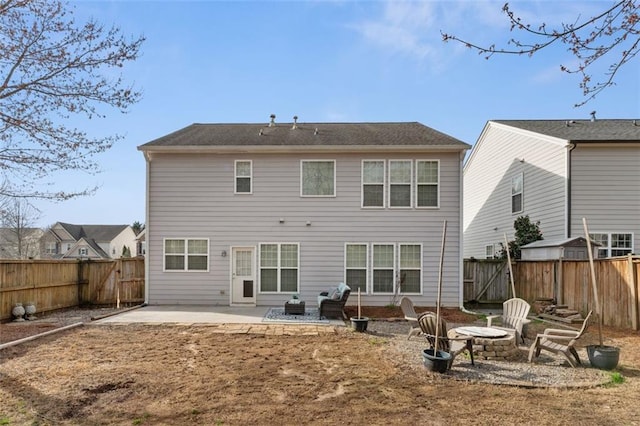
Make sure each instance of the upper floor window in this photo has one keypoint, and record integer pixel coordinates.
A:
(318, 178)
(427, 183)
(51, 248)
(400, 172)
(373, 183)
(613, 244)
(489, 251)
(83, 251)
(186, 255)
(517, 190)
(243, 177)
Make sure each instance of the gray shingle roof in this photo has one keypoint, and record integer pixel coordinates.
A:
(99, 233)
(600, 130)
(327, 134)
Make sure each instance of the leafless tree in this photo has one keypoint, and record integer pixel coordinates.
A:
(52, 69)
(612, 36)
(19, 237)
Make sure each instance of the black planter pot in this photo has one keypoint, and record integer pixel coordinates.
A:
(438, 362)
(359, 324)
(603, 357)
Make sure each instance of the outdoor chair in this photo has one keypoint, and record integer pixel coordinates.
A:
(514, 317)
(447, 342)
(410, 315)
(559, 342)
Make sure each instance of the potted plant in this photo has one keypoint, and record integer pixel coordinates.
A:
(433, 359)
(359, 323)
(600, 356)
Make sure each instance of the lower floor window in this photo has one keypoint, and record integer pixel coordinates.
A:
(186, 254)
(613, 244)
(392, 267)
(279, 267)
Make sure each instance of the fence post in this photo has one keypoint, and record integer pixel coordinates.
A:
(634, 293)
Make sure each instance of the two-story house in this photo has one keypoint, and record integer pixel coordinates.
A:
(556, 172)
(250, 214)
(68, 241)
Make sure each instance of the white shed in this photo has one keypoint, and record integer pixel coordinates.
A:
(569, 249)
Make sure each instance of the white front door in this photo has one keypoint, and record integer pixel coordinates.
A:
(243, 278)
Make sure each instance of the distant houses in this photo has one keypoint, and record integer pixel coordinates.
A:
(69, 241)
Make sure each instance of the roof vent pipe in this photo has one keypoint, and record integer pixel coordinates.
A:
(295, 122)
(272, 123)
(593, 116)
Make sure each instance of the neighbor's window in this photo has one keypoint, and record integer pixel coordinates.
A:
(383, 268)
(621, 244)
(613, 244)
(318, 178)
(279, 270)
(489, 251)
(52, 248)
(427, 183)
(400, 172)
(83, 251)
(243, 177)
(186, 254)
(517, 189)
(410, 268)
(356, 267)
(373, 183)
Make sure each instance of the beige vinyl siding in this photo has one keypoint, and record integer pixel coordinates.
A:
(605, 184)
(192, 196)
(501, 153)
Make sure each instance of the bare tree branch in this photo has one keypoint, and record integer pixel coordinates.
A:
(613, 36)
(52, 69)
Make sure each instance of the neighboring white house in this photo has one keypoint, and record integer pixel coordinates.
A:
(65, 240)
(556, 172)
(250, 214)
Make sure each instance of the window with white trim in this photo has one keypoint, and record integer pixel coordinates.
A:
(517, 190)
(318, 178)
(243, 177)
(489, 251)
(83, 251)
(186, 254)
(410, 268)
(427, 183)
(373, 172)
(279, 267)
(383, 265)
(613, 244)
(52, 248)
(400, 172)
(356, 266)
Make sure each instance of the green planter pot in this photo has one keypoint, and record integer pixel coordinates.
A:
(438, 362)
(359, 324)
(603, 357)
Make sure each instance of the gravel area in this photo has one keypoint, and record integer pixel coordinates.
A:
(546, 371)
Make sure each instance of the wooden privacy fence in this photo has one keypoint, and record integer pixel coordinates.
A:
(566, 281)
(57, 284)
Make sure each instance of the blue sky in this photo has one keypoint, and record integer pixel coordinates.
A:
(324, 61)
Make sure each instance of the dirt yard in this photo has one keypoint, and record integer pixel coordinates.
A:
(172, 374)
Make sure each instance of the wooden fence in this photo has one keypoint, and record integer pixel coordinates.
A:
(57, 284)
(566, 281)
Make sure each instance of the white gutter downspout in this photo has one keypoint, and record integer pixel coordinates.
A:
(461, 236)
(147, 238)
